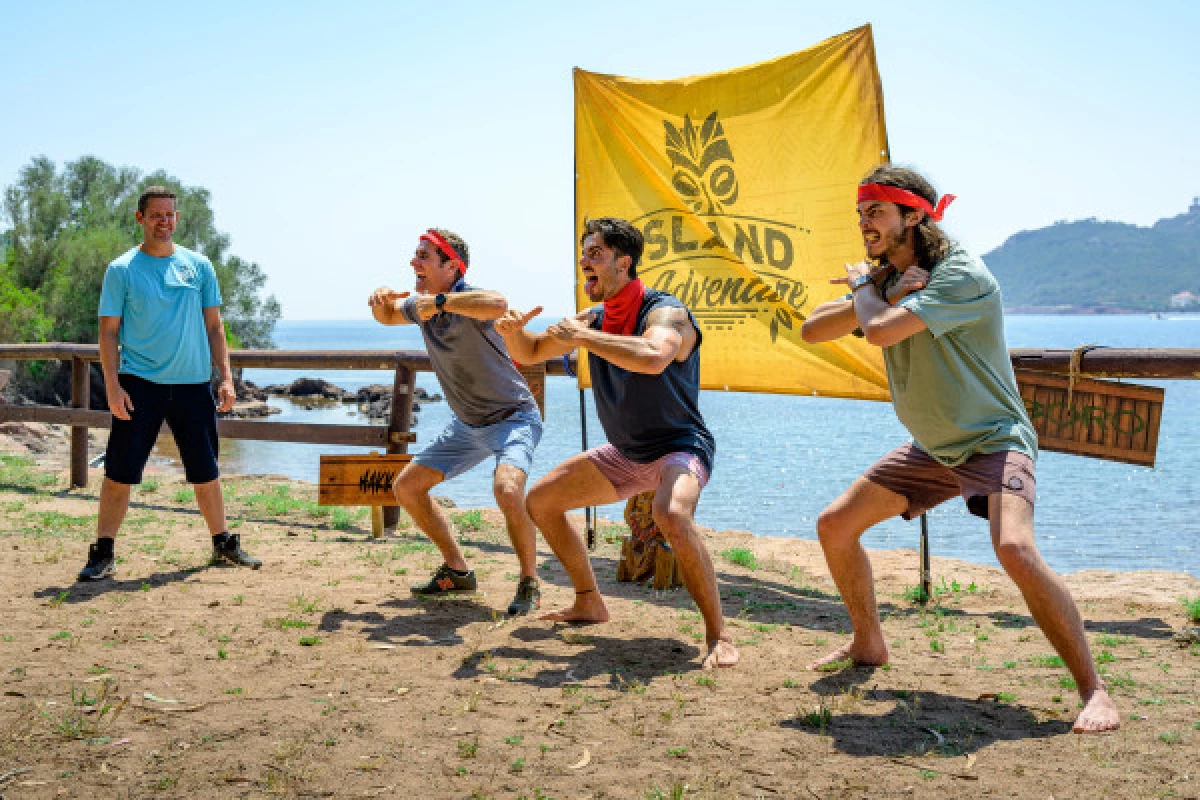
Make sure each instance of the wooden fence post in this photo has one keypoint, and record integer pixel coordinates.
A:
(400, 421)
(81, 392)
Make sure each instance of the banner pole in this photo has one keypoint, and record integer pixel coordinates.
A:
(926, 573)
(589, 513)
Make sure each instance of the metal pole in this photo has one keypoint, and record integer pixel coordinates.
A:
(926, 574)
(589, 513)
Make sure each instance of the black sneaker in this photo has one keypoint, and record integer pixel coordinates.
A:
(99, 564)
(445, 581)
(528, 598)
(230, 552)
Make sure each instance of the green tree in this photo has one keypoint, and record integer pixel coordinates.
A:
(65, 227)
(21, 315)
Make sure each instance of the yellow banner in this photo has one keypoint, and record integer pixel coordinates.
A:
(743, 183)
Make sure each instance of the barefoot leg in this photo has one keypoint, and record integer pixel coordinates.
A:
(1051, 606)
(573, 484)
(674, 512)
(839, 528)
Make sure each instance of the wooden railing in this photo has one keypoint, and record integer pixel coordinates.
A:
(393, 437)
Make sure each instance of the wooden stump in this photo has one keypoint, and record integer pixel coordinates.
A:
(645, 553)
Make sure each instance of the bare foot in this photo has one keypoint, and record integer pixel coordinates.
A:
(587, 608)
(721, 653)
(1099, 714)
(871, 655)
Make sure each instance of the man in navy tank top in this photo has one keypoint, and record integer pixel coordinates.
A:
(644, 357)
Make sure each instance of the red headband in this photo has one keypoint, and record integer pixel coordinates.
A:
(439, 241)
(903, 197)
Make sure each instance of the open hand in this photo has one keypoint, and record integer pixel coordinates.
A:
(877, 273)
(119, 403)
(911, 280)
(225, 396)
(513, 321)
(569, 328)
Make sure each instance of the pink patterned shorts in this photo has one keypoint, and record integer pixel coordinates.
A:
(630, 477)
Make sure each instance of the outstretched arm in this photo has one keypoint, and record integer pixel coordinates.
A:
(670, 336)
(476, 303)
(532, 348)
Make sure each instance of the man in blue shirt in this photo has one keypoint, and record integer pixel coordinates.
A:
(160, 334)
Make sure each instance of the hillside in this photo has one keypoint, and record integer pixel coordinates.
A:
(1103, 266)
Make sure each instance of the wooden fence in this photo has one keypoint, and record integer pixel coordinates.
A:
(405, 364)
(392, 438)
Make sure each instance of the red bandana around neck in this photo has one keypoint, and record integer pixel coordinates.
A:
(621, 310)
(903, 197)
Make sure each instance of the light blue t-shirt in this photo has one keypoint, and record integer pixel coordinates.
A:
(161, 304)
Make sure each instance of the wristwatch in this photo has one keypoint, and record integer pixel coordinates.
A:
(859, 282)
(439, 300)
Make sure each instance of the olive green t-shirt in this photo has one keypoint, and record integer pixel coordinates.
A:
(953, 385)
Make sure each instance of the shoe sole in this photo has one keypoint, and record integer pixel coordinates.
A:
(513, 611)
(92, 579)
(221, 561)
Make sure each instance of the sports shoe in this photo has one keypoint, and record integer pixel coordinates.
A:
(230, 552)
(100, 564)
(446, 580)
(528, 597)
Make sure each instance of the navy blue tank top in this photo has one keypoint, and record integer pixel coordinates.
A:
(649, 416)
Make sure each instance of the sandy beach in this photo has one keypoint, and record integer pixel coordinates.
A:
(321, 676)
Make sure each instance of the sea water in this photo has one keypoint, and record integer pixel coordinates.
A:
(781, 459)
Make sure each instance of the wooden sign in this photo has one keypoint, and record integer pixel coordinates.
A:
(535, 376)
(1104, 419)
(355, 480)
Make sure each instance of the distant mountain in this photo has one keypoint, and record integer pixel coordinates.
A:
(1101, 266)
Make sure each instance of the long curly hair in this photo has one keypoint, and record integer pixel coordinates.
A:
(930, 243)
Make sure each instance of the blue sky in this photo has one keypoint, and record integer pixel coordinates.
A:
(331, 137)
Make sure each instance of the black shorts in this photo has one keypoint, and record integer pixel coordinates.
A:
(188, 409)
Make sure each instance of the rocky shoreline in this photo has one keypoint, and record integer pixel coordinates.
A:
(373, 401)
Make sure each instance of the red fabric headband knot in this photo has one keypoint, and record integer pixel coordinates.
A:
(439, 241)
(903, 197)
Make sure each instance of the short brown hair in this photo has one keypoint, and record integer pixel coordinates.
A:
(457, 245)
(620, 235)
(151, 192)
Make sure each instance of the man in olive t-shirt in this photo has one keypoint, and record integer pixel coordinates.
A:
(937, 314)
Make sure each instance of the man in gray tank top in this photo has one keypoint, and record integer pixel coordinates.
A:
(643, 351)
(495, 414)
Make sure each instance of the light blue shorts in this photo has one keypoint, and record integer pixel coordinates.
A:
(459, 446)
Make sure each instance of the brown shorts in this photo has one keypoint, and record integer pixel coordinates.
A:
(914, 474)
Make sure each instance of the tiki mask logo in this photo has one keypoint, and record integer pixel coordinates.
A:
(679, 240)
(703, 164)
